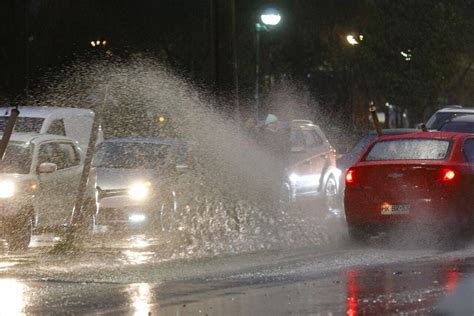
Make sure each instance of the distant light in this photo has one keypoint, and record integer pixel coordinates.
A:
(137, 218)
(351, 40)
(361, 37)
(97, 43)
(161, 119)
(93, 43)
(104, 43)
(270, 17)
(407, 55)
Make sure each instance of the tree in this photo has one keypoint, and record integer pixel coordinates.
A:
(411, 51)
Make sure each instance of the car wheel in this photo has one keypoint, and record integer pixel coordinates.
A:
(19, 233)
(330, 195)
(168, 207)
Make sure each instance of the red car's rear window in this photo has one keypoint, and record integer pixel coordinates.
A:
(409, 149)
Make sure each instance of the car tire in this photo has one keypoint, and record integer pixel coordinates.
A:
(331, 195)
(19, 234)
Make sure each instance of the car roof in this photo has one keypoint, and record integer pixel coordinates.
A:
(468, 118)
(46, 111)
(35, 137)
(396, 131)
(421, 134)
(143, 140)
(456, 109)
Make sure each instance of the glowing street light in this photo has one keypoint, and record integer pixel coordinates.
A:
(269, 18)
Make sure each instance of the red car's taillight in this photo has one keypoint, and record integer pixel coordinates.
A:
(350, 176)
(448, 175)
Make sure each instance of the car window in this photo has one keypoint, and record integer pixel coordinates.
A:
(24, 124)
(53, 153)
(17, 158)
(409, 149)
(131, 155)
(297, 138)
(469, 150)
(57, 128)
(311, 139)
(463, 127)
(70, 154)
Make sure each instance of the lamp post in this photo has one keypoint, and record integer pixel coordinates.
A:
(268, 19)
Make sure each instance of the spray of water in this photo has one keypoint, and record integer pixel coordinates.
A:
(224, 198)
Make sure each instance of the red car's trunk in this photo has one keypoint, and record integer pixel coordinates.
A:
(403, 181)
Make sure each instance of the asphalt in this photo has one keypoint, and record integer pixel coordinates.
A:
(126, 276)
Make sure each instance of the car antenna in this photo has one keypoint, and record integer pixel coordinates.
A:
(375, 118)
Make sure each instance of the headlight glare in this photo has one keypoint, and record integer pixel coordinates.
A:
(139, 190)
(7, 189)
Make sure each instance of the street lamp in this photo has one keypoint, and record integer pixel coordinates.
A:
(269, 18)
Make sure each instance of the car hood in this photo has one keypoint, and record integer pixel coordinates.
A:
(116, 179)
(15, 177)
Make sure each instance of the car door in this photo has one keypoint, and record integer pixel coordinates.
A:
(58, 189)
(299, 171)
(70, 171)
(327, 156)
(315, 151)
(468, 151)
(51, 187)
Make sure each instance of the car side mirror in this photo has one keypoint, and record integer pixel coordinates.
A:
(297, 149)
(47, 167)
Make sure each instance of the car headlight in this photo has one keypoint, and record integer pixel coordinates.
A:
(139, 190)
(7, 189)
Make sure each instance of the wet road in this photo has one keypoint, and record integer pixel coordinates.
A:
(127, 275)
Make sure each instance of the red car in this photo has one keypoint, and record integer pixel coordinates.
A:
(424, 177)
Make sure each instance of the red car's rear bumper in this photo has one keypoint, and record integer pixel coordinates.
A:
(365, 208)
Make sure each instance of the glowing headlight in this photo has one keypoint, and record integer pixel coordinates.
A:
(139, 190)
(7, 189)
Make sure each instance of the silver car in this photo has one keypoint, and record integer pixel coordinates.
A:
(39, 181)
(135, 181)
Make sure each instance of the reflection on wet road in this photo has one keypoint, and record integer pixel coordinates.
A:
(125, 275)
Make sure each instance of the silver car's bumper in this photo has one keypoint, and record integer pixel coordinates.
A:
(117, 210)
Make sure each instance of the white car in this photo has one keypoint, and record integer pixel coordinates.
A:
(70, 122)
(39, 181)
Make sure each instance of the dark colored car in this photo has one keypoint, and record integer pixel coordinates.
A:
(461, 124)
(420, 177)
(440, 117)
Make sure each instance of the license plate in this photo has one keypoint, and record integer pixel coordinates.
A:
(397, 209)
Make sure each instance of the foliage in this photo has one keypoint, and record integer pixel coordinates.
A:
(432, 32)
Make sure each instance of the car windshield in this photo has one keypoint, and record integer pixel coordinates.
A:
(17, 158)
(24, 124)
(409, 149)
(462, 127)
(130, 155)
(439, 119)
